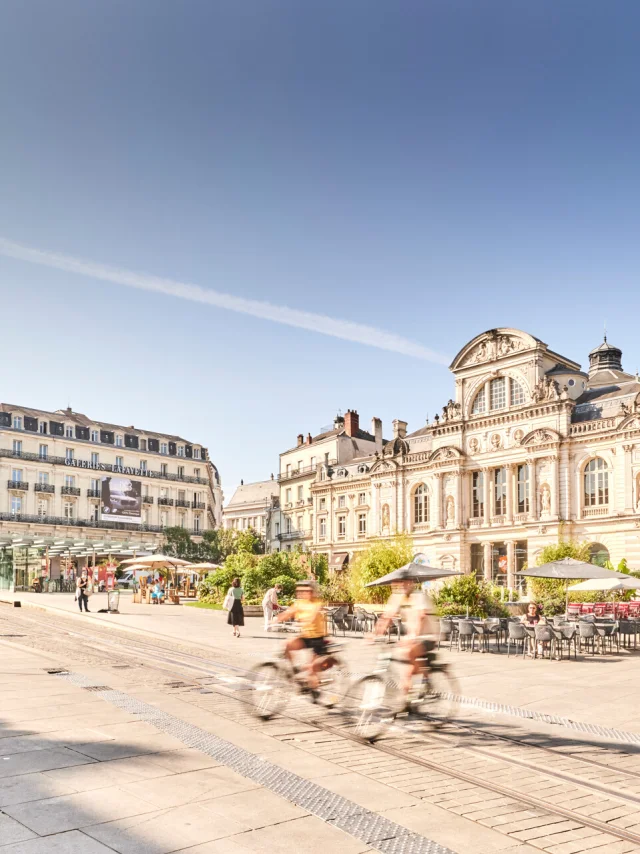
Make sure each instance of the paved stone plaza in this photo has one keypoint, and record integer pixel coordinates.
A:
(144, 744)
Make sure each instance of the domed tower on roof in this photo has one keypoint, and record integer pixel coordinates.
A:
(605, 357)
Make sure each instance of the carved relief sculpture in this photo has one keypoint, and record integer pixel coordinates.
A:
(451, 509)
(451, 411)
(473, 446)
(386, 517)
(518, 435)
(496, 441)
(498, 345)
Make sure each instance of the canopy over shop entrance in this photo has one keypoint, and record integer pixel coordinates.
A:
(50, 562)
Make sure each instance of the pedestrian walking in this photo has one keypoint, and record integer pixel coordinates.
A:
(235, 595)
(270, 605)
(82, 591)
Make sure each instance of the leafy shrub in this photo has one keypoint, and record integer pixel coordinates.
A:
(336, 589)
(288, 585)
(374, 562)
(466, 591)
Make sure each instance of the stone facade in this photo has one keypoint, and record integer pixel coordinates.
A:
(529, 450)
(256, 506)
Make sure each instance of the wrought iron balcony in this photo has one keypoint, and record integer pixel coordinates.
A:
(182, 502)
(294, 535)
(18, 484)
(199, 505)
(93, 493)
(303, 470)
(165, 502)
(70, 490)
(44, 487)
(147, 499)
(89, 523)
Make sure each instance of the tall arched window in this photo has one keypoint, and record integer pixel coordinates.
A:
(479, 404)
(420, 505)
(596, 483)
(517, 393)
(498, 393)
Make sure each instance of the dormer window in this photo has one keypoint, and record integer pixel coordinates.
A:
(68, 431)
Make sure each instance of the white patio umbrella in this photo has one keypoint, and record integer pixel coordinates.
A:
(200, 567)
(156, 561)
(608, 584)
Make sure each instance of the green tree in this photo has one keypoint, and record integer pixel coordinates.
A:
(178, 543)
(375, 561)
(551, 593)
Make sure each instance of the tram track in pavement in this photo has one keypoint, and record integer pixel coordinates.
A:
(462, 768)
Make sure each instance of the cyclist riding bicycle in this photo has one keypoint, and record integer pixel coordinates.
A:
(307, 611)
(415, 610)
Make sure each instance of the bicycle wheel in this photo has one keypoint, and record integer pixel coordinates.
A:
(270, 690)
(334, 684)
(365, 709)
(439, 701)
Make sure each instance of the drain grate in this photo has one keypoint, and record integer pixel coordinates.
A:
(97, 688)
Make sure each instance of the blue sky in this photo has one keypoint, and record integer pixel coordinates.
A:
(429, 169)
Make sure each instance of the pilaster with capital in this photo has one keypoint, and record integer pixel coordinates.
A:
(460, 498)
(533, 486)
(628, 478)
(438, 500)
(486, 473)
(511, 468)
(488, 557)
(555, 487)
(511, 563)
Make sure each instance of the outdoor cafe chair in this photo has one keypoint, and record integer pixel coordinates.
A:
(493, 629)
(545, 639)
(566, 638)
(573, 609)
(622, 609)
(634, 609)
(608, 634)
(587, 608)
(339, 620)
(359, 621)
(599, 609)
(587, 634)
(467, 633)
(517, 634)
(628, 629)
(446, 631)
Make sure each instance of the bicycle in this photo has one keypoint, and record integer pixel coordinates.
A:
(373, 702)
(274, 681)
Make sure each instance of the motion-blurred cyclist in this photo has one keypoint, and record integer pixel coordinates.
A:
(307, 611)
(414, 609)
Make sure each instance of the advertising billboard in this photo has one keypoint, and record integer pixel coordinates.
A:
(121, 500)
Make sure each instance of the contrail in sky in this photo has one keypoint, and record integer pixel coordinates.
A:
(356, 332)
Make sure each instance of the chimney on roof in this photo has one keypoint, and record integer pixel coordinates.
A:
(309, 439)
(338, 422)
(300, 439)
(351, 423)
(376, 430)
(399, 429)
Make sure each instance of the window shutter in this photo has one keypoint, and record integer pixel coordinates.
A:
(172, 449)
(5, 419)
(107, 437)
(130, 441)
(82, 432)
(188, 451)
(153, 445)
(31, 424)
(56, 428)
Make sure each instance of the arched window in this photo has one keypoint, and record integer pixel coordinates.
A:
(420, 505)
(596, 483)
(480, 403)
(517, 393)
(523, 488)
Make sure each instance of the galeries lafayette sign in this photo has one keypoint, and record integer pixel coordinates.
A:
(86, 464)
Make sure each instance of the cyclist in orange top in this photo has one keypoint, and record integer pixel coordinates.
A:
(307, 611)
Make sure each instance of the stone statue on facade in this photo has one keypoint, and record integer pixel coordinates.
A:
(545, 498)
(386, 520)
(451, 509)
(451, 411)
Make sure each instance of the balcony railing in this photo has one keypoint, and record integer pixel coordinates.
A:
(147, 499)
(88, 523)
(602, 510)
(294, 535)
(17, 484)
(85, 464)
(44, 487)
(303, 470)
(520, 518)
(181, 502)
(165, 502)
(199, 505)
(93, 493)
(70, 490)
(476, 521)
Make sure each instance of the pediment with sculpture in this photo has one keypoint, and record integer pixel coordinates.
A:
(493, 345)
(541, 436)
(447, 454)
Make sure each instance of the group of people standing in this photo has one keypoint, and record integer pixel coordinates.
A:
(234, 600)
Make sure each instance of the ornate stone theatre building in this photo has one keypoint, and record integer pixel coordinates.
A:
(528, 450)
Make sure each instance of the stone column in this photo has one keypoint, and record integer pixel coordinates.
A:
(487, 561)
(628, 479)
(510, 493)
(460, 499)
(511, 564)
(438, 500)
(533, 489)
(487, 495)
(375, 509)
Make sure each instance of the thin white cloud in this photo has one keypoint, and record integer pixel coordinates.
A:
(359, 333)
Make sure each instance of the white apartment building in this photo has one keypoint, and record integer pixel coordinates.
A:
(256, 506)
(312, 460)
(67, 482)
(529, 450)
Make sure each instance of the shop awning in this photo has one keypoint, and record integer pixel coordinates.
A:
(339, 561)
